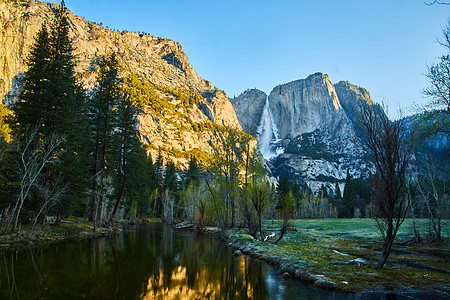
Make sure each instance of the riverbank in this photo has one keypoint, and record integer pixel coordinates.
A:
(340, 255)
(68, 229)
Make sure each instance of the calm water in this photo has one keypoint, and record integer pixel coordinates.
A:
(150, 261)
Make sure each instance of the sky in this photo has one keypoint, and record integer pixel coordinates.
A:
(384, 46)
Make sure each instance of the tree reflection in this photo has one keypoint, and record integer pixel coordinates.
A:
(145, 262)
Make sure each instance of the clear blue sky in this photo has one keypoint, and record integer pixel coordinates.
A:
(384, 46)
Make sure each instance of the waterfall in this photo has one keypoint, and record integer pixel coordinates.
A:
(268, 138)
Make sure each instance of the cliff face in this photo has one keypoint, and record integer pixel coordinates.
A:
(249, 109)
(157, 63)
(160, 60)
(306, 105)
(314, 131)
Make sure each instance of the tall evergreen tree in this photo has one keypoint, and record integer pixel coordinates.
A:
(349, 196)
(126, 144)
(31, 110)
(141, 182)
(170, 177)
(103, 118)
(193, 173)
(48, 99)
(52, 102)
(323, 193)
(283, 187)
(159, 170)
(337, 191)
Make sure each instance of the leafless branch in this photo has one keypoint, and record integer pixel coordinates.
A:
(436, 2)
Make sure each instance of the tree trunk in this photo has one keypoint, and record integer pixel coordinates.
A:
(122, 172)
(60, 213)
(261, 233)
(387, 246)
(118, 199)
(438, 231)
(94, 182)
(283, 231)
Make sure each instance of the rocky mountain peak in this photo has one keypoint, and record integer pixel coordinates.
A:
(160, 60)
(305, 105)
(313, 137)
(181, 112)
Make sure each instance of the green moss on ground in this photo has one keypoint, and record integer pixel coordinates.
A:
(324, 247)
(68, 229)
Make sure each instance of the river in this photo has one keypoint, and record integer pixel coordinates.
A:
(151, 261)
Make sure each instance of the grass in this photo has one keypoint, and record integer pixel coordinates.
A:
(318, 244)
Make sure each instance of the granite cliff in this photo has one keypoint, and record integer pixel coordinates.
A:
(314, 137)
(181, 111)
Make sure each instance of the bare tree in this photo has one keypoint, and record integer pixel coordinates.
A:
(435, 116)
(434, 195)
(389, 149)
(33, 156)
(51, 195)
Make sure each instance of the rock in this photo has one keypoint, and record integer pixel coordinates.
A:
(305, 276)
(288, 267)
(360, 262)
(237, 253)
(247, 250)
(324, 284)
(255, 254)
(184, 225)
(249, 107)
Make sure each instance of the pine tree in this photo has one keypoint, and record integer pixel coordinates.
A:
(31, 110)
(48, 99)
(349, 196)
(141, 182)
(126, 144)
(283, 189)
(337, 191)
(76, 159)
(323, 193)
(103, 118)
(170, 177)
(159, 170)
(193, 173)
(50, 102)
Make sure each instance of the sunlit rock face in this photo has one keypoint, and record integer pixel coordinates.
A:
(308, 130)
(306, 105)
(178, 129)
(249, 108)
(159, 59)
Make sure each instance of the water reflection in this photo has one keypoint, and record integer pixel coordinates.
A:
(144, 262)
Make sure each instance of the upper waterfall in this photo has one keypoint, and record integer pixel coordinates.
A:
(268, 137)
